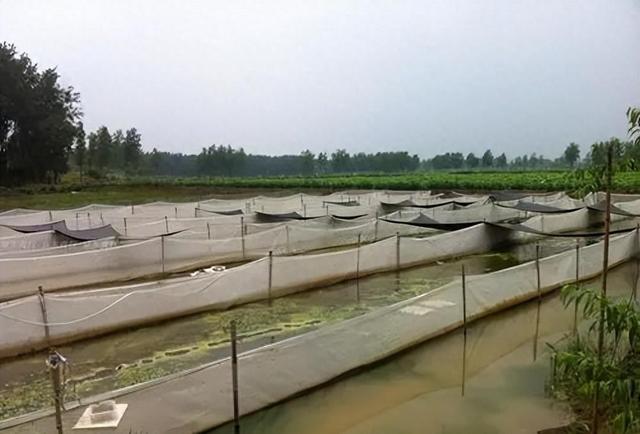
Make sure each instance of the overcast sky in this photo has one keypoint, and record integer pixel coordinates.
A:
(277, 77)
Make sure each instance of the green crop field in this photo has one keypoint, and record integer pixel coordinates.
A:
(71, 192)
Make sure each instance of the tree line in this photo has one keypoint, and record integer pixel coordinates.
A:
(42, 137)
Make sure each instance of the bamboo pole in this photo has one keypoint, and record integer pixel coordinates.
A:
(270, 283)
(537, 332)
(605, 265)
(358, 270)
(464, 329)
(234, 378)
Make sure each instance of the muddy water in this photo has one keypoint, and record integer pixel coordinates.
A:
(126, 358)
(420, 391)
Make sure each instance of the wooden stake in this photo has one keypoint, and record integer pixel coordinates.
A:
(125, 225)
(535, 337)
(162, 251)
(55, 363)
(358, 270)
(270, 283)
(242, 235)
(234, 379)
(45, 320)
(208, 231)
(464, 329)
(605, 267)
(575, 308)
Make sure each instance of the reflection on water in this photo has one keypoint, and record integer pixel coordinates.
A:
(130, 357)
(419, 391)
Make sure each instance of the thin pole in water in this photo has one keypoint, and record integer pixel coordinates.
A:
(162, 251)
(464, 329)
(637, 276)
(53, 362)
(208, 231)
(605, 267)
(242, 235)
(43, 307)
(125, 225)
(270, 283)
(166, 224)
(535, 337)
(234, 378)
(575, 307)
(132, 210)
(286, 229)
(176, 211)
(397, 261)
(50, 216)
(358, 269)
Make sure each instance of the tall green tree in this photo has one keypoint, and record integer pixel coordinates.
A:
(116, 152)
(132, 150)
(341, 161)
(308, 162)
(571, 154)
(80, 151)
(471, 162)
(487, 158)
(38, 120)
(103, 148)
(501, 161)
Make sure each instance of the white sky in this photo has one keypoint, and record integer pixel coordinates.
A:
(427, 76)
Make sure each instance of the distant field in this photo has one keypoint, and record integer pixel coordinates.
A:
(147, 189)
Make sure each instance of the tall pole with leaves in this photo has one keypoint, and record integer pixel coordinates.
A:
(605, 266)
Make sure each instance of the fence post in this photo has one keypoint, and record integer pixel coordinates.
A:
(397, 250)
(242, 235)
(45, 320)
(270, 283)
(53, 362)
(464, 329)
(358, 269)
(535, 337)
(575, 307)
(234, 378)
(375, 229)
(286, 229)
(162, 251)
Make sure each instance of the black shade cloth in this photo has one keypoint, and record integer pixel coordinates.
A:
(412, 204)
(427, 222)
(343, 203)
(537, 207)
(61, 228)
(268, 216)
(228, 212)
(602, 207)
(522, 228)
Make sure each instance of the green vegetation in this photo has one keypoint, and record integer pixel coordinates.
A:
(122, 191)
(580, 367)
